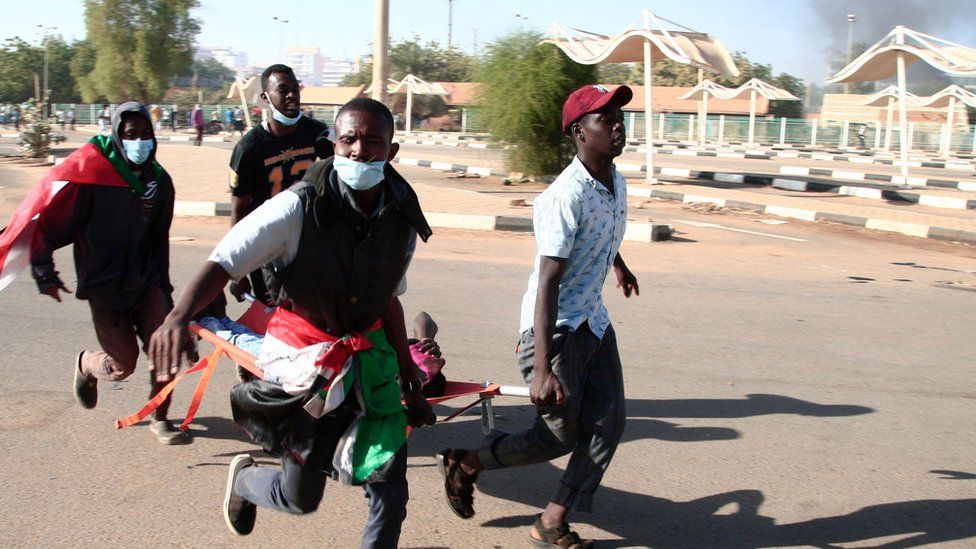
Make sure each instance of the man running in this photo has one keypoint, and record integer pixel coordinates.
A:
(567, 351)
(114, 203)
(272, 156)
(335, 357)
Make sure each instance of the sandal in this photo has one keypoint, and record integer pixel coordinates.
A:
(458, 485)
(559, 537)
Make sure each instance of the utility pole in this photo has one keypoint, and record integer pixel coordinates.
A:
(850, 46)
(381, 46)
(45, 90)
(450, 23)
(474, 47)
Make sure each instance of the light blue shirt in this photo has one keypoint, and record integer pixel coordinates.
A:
(579, 220)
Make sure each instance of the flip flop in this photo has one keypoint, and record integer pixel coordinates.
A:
(460, 492)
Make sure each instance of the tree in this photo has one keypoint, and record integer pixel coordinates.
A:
(524, 85)
(20, 61)
(139, 46)
(36, 137)
(428, 61)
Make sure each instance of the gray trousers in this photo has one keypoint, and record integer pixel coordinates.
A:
(298, 486)
(589, 422)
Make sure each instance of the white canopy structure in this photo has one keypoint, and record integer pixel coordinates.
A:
(653, 42)
(756, 87)
(701, 92)
(411, 85)
(888, 97)
(890, 57)
(947, 99)
(250, 88)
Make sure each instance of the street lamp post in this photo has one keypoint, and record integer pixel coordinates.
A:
(850, 46)
(280, 50)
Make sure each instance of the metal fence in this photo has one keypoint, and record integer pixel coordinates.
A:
(667, 126)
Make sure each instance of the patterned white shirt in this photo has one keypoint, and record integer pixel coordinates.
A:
(579, 220)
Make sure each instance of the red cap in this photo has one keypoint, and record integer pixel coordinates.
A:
(591, 98)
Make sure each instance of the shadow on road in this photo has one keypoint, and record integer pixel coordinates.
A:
(729, 519)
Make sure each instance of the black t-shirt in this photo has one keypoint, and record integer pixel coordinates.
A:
(263, 165)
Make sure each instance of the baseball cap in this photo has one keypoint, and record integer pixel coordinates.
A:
(591, 98)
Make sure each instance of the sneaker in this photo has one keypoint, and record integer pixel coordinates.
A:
(167, 433)
(86, 386)
(239, 514)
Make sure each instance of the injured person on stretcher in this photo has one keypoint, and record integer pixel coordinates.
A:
(424, 350)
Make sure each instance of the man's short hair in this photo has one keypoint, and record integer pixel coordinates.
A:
(365, 104)
(277, 68)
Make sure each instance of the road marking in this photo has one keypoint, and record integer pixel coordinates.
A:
(733, 229)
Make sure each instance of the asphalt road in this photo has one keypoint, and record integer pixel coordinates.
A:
(787, 385)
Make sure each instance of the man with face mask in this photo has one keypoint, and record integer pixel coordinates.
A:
(272, 156)
(335, 358)
(114, 203)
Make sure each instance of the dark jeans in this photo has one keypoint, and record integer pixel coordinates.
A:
(589, 422)
(298, 486)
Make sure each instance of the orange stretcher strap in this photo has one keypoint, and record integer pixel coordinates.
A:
(206, 363)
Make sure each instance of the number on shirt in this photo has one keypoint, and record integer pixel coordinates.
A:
(277, 176)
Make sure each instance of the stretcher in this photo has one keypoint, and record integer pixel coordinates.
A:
(256, 318)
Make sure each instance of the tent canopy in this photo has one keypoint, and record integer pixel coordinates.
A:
(707, 87)
(942, 99)
(879, 62)
(763, 89)
(413, 85)
(691, 48)
(880, 99)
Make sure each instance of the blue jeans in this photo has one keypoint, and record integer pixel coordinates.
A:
(298, 486)
(589, 422)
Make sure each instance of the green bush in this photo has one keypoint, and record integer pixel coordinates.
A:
(523, 87)
(36, 138)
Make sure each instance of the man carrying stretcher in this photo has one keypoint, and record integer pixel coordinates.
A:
(335, 357)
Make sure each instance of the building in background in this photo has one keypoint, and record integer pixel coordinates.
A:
(334, 70)
(307, 62)
(226, 56)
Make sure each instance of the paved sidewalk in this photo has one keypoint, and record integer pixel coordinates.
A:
(201, 173)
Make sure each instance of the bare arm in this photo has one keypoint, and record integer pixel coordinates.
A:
(396, 334)
(625, 279)
(545, 389)
(240, 206)
(171, 342)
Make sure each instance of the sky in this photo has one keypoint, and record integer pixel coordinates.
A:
(794, 36)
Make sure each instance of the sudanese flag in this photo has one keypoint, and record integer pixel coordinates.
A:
(94, 163)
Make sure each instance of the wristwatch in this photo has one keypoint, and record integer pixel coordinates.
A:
(411, 386)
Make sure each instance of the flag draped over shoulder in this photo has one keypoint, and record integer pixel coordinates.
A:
(94, 163)
(362, 366)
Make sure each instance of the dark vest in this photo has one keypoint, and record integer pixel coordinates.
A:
(347, 267)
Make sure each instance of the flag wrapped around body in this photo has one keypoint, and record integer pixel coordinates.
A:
(358, 365)
(94, 163)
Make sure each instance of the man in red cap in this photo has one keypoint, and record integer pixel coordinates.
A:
(567, 351)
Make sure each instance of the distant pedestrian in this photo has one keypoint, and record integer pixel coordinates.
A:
(196, 117)
(71, 119)
(15, 116)
(862, 134)
(62, 119)
(104, 117)
(567, 350)
(239, 120)
(173, 116)
(157, 118)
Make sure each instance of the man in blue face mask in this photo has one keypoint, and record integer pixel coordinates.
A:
(272, 157)
(339, 243)
(114, 203)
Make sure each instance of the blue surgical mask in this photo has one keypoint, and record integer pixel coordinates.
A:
(138, 150)
(282, 118)
(359, 176)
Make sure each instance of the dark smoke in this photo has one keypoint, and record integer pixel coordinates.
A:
(953, 20)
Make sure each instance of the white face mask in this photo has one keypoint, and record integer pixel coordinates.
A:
(359, 176)
(277, 115)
